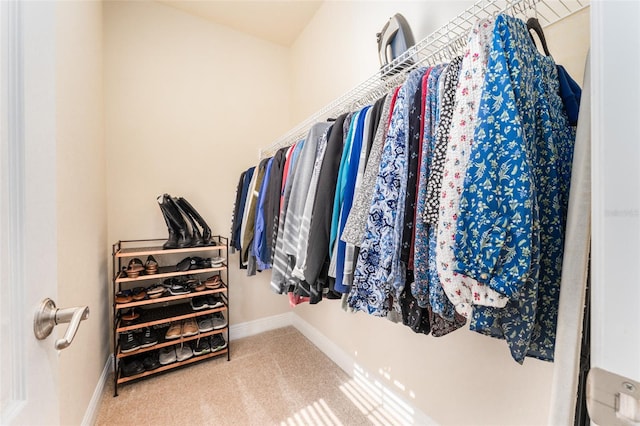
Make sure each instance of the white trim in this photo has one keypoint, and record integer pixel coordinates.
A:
(92, 410)
(372, 385)
(250, 328)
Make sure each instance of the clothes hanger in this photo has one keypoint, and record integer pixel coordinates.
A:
(534, 24)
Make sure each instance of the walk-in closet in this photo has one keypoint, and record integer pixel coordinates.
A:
(399, 212)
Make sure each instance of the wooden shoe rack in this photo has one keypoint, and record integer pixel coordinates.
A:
(158, 313)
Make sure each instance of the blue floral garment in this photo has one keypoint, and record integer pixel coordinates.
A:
(420, 286)
(512, 210)
(440, 303)
(378, 266)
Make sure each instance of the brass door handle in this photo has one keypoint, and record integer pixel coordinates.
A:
(48, 316)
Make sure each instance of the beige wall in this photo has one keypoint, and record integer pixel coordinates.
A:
(463, 378)
(188, 103)
(81, 201)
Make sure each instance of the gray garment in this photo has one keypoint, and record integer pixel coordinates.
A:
(287, 245)
(305, 226)
(354, 229)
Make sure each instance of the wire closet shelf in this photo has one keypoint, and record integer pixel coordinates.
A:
(440, 46)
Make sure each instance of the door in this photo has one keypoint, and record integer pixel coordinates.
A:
(615, 307)
(27, 210)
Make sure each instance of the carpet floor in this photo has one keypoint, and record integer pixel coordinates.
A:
(274, 378)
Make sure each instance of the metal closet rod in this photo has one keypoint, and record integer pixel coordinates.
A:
(440, 46)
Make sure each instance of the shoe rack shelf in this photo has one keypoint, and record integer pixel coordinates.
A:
(173, 365)
(121, 327)
(154, 313)
(171, 342)
(167, 272)
(170, 298)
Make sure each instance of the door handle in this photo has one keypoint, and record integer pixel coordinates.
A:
(48, 316)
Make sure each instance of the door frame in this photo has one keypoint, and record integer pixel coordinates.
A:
(28, 209)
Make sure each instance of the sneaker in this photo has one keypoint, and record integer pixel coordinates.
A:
(217, 342)
(202, 347)
(174, 331)
(189, 327)
(183, 352)
(167, 355)
(178, 289)
(131, 368)
(151, 361)
(219, 321)
(128, 342)
(214, 301)
(205, 324)
(148, 338)
(199, 303)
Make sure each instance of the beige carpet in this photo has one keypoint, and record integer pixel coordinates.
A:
(274, 378)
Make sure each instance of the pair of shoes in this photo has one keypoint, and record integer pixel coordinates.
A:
(138, 293)
(182, 221)
(123, 296)
(172, 354)
(217, 262)
(151, 266)
(151, 361)
(211, 322)
(130, 314)
(167, 355)
(186, 328)
(210, 301)
(190, 263)
(131, 367)
(148, 338)
(213, 282)
(202, 347)
(176, 287)
(134, 268)
(155, 291)
(217, 342)
(130, 341)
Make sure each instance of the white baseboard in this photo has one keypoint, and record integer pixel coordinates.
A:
(89, 418)
(250, 328)
(366, 382)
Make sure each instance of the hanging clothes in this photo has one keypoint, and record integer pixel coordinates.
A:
(319, 231)
(378, 278)
(305, 226)
(354, 229)
(259, 238)
(513, 206)
(357, 157)
(280, 260)
(272, 204)
(461, 290)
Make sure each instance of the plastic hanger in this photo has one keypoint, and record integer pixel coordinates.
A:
(534, 24)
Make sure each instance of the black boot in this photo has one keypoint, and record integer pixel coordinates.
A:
(172, 241)
(196, 239)
(180, 227)
(206, 231)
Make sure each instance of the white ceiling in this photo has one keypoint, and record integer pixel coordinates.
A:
(277, 21)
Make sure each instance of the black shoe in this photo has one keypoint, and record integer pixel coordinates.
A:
(217, 342)
(131, 368)
(151, 361)
(148, 338)
(199, 303)
(128, 342)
